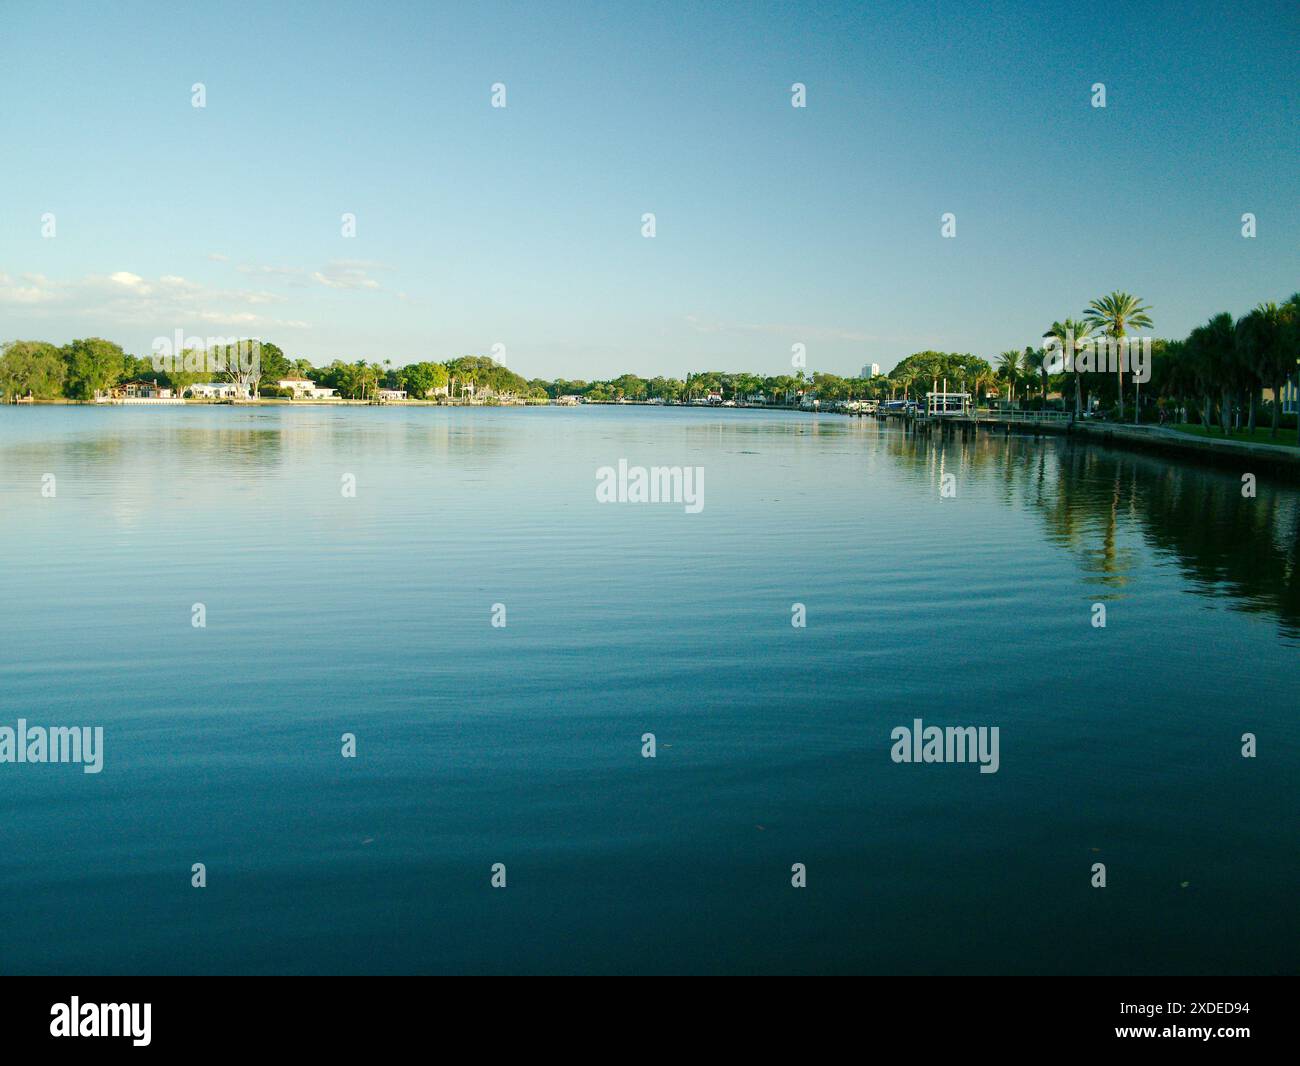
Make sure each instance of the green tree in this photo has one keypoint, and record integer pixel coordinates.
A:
(187, 369)
(1037, 365)
(421, 379)
(1291, 352)
(1262, 342)
(274, 365)
(979, 376)
(1077, 331)
(629, 387)
(1214, 351)
(830, 386)
(360, 380)
(31, 368)
(1011, 367)
(1114, 316)
(92, 365)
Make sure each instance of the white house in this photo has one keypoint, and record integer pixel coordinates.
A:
(140, 390)
(305, 389)
(392, 394)
(219, 390)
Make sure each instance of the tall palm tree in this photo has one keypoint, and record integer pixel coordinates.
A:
(1179, 381)
(1114, 315)
(1036, 364)
(1290, 340)
(1253, 340)
(1201, 363)
(1011, 365)
(1077, 331)
(1261, 342)
(1214, 350)
(981, 377)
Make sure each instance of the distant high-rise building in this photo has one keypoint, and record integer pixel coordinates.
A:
(871, 370)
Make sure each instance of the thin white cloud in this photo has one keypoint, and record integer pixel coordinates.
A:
(271, 271)
(30, 289)
(124, 297)
(240, 318)
(347, 274)
(25, 294)
(339, 274)
(130, 281)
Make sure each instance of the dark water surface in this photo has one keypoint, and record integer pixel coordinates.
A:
(522, 745)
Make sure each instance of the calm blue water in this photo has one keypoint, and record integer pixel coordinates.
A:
(522, 745)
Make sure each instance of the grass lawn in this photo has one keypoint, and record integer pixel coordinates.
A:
(1260, 436)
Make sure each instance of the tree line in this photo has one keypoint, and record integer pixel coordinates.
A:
(77, 371)
(1217, 374)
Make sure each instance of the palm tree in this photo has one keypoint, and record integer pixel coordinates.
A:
(1036, 363)
(1290, 343)
(1179, 380)
(1261, 342)
(1113, 315)
(1078, 332)
(1214, 351)
(1011, 366)
(905, 379)
(980, 378)
(1202, 369)
(1253, 340)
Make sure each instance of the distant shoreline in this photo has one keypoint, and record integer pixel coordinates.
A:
(281, 401)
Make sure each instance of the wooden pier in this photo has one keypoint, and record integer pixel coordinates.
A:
(969, 422)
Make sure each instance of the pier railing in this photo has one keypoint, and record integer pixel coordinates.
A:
(992, 415)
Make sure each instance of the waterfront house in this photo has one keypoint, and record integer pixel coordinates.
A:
(305, 389)
(139, 390)
(1290, 405)
(219, 390)
(388, 395)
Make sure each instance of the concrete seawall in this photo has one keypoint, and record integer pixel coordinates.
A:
(1242, 456)
(1238, 455)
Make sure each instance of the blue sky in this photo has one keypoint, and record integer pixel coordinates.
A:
(522, 226)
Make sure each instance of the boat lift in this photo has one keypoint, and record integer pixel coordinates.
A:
(945, 404)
